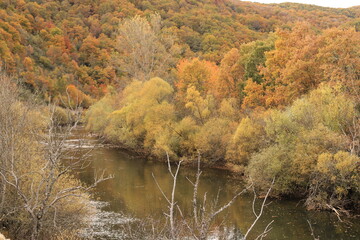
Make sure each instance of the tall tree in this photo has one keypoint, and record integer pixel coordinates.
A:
(290, 68)
(145, 50)
(201, 74)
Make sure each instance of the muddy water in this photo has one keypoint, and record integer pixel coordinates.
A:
(133, 193)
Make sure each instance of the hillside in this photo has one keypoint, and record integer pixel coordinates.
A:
(52, 44)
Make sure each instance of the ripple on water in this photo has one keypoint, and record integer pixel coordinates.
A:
(106, 224)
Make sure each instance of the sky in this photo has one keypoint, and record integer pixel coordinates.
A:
(324, 3)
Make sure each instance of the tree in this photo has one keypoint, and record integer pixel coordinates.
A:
(97, 115)
(39, 191)
(254, 96)
(336, 182)
(203, 213)
(199, 224)
(145, 50)
(290, 70)
(75, 97)
(306, 146)
(339, 58)
(247, 140)
(217, 132)
(200, 74)
(253, 57)
(201, 107)
(231, 75)
(145, 116)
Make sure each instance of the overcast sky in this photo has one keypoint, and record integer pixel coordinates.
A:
(325, 3)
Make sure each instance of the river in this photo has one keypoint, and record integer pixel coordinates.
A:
(133, 194)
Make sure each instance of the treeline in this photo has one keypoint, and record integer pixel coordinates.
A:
(286, 107)
(52, 44)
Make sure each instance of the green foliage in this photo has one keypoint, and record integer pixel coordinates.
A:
(213, 137)
(144, 118)
(246, 140)
(97, 115)
(337, 181)
(253, 57)
(301, 140)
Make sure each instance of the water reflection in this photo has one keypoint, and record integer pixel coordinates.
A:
(134, 193)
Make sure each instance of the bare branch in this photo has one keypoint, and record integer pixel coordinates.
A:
(312, 230)
(258, 215)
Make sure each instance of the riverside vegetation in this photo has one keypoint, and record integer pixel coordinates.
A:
(271, 91)
(296, 118)
(40, 198)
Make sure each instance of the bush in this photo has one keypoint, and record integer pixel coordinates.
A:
(307, 151)
(336, 182)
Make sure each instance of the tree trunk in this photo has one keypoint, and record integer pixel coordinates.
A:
(36, 230)
(3, 197)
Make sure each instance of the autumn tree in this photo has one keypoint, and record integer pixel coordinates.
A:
(39, 195)
(254, 95)
(231, 74)
(302, 138)
(336, 183)
(290, 68)
(200, 74)
(200, 107)
(338, 56)
(145, 49)
(145, 117)
(247, 139)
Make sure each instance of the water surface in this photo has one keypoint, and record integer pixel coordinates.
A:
(133, 193)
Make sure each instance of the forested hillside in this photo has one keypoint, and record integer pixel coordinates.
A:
(53, 44)
(272, 91)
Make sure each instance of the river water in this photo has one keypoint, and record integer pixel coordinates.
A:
(133, 194)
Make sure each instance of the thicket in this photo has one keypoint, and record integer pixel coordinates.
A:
(284, 107)
(39, 196)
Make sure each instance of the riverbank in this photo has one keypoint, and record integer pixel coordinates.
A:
(233, 171)
(132, 193)
(236, 170)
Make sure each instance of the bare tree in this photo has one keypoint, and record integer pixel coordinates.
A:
(259, 214)
(14, 144)
(203, 215)
(312, 230)
(146, 51)
(170, 200)
(199, 226)
(33, 167)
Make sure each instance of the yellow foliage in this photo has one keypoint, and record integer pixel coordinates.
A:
(246, 140)
(200, 107)
(213, 137)
(143, 120)
(97, 115)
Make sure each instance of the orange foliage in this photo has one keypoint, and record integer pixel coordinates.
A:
(201, 74)
(291, 69)
(231, 74)
(76, 39)
(339, 56)
(76, 97)
(254, 95)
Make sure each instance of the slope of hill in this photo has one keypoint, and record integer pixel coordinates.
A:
(51, 44)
